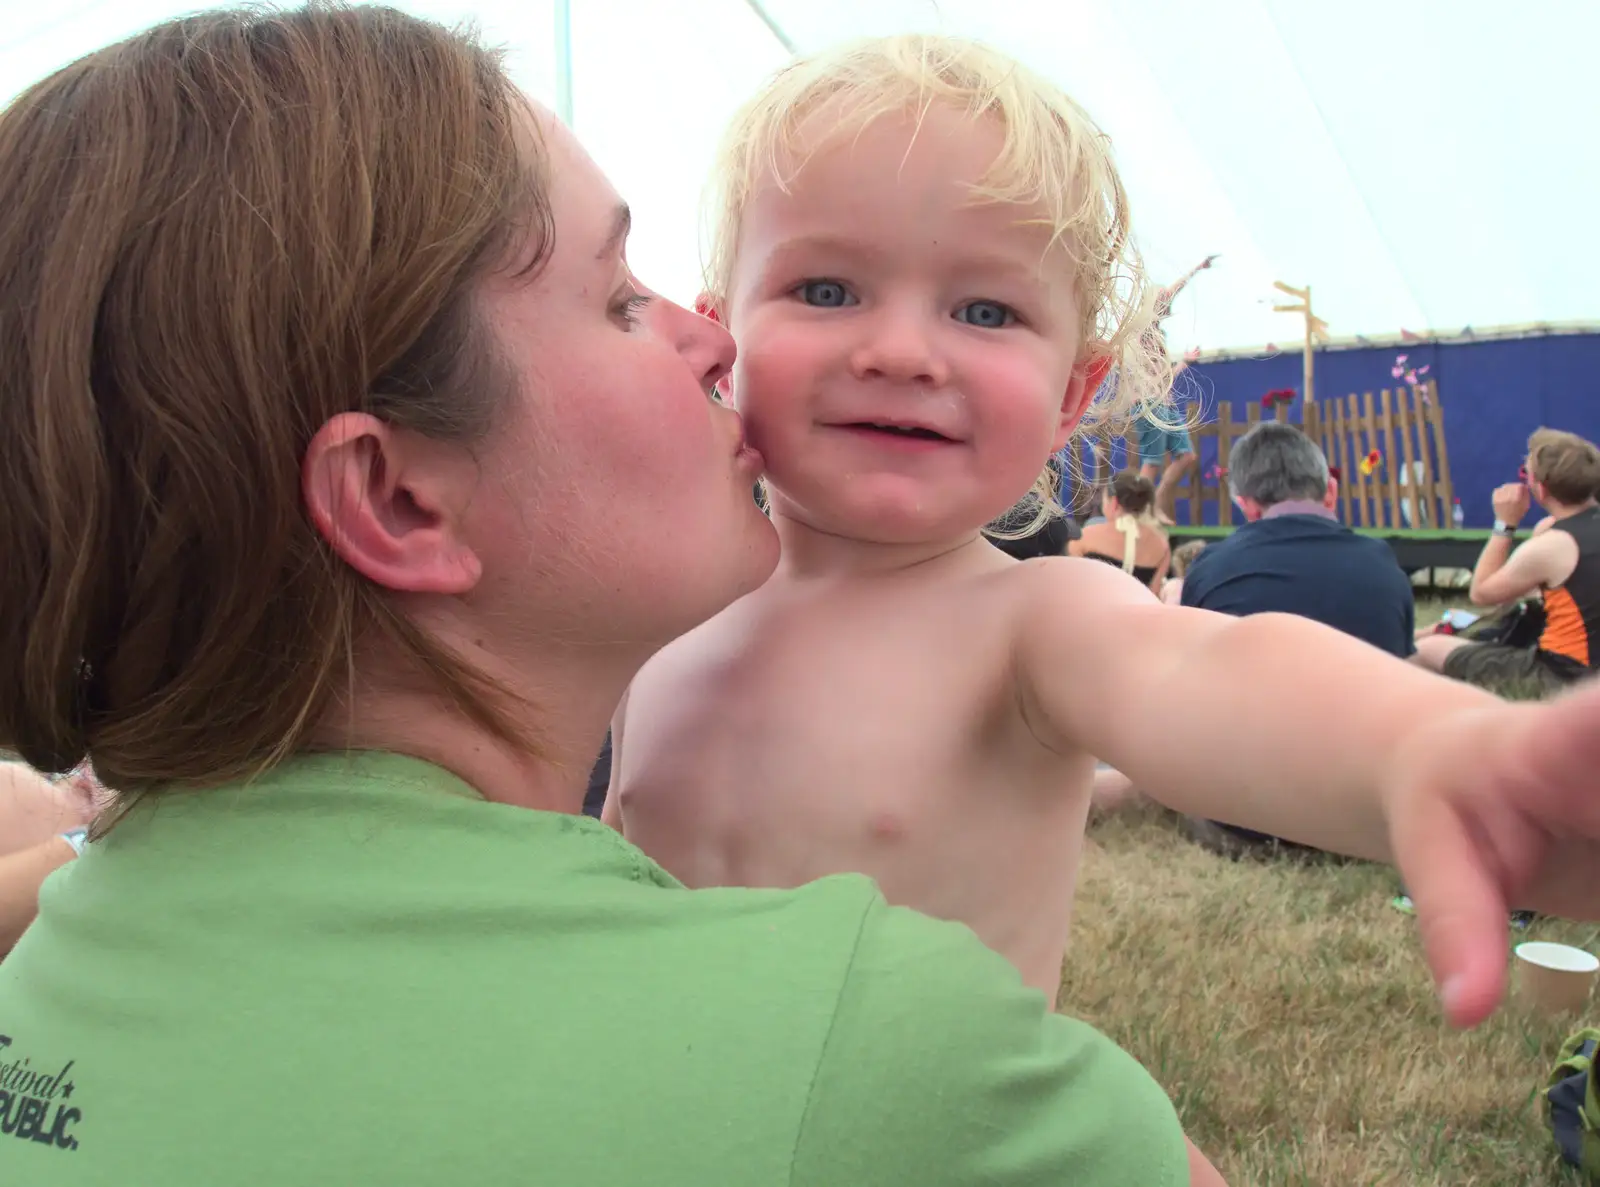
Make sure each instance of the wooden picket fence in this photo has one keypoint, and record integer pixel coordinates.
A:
(1409, 488)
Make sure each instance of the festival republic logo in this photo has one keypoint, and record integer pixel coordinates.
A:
(34, 1102)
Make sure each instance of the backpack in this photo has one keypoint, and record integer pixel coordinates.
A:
(1572, 1102)
(1519, 625)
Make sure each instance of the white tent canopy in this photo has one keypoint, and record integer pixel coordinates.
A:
(1425, 164)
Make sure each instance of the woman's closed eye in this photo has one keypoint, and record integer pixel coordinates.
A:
(825, 294)
(626, 306)
(987, 315)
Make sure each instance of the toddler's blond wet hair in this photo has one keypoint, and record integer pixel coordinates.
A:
(1053, 158)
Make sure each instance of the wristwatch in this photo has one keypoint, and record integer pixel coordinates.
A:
(1502, 528)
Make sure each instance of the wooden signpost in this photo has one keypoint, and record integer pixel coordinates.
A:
(1316, 328)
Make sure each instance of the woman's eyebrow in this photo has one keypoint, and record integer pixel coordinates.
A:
(621, 222)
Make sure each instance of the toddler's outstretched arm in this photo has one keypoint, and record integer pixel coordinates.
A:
(1282, 725)
(1272, 722)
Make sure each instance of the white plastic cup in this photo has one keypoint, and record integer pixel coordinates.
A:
(1555, 978)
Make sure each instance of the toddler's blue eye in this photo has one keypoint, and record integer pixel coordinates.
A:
(825, 294)
(987, 315)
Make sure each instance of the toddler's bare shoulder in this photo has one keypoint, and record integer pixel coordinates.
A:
(1069, 573)
(1083, 588)
(688, 654)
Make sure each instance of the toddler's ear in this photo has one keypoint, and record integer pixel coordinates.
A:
(1088, 373)
(1095, 363)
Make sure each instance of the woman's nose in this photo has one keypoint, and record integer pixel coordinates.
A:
(703, 342)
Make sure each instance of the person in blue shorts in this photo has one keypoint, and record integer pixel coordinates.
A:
(1157, 442)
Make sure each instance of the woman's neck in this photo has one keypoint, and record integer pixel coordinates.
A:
(571, 708)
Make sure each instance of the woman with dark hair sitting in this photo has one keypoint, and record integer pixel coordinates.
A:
(1130, 536)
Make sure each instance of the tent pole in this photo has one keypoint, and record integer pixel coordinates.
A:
(757, 7)
(564, 61)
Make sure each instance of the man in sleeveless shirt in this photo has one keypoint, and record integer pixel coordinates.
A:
(1560, 562)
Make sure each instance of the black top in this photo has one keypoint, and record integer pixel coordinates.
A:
(1143, 574)
(1572, 610)
(1050, 540)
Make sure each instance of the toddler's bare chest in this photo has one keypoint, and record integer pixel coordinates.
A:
(870, 712)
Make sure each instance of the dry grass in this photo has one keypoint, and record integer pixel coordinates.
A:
(1287, 1009)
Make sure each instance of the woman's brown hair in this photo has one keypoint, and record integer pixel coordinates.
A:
(216, 235)
(1133, 492)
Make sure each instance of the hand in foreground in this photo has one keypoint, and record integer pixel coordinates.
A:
(1490, 810)
(1511, 503)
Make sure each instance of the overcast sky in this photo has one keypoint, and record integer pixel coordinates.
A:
(1422, 163)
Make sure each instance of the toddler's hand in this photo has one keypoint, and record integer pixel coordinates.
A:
(1493, 809)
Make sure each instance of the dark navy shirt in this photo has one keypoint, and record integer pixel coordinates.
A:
(1313, 566)
(594, 799)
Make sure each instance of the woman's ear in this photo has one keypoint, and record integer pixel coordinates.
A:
(389, 503)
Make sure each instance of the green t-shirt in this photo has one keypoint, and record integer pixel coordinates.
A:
(356, 971)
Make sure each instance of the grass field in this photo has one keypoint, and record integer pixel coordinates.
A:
(1287, 1010)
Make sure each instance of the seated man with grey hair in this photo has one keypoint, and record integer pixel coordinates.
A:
(1293, 556)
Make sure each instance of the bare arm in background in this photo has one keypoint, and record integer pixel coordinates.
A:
(21, 875)
(33, 808)
(1166, 296)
